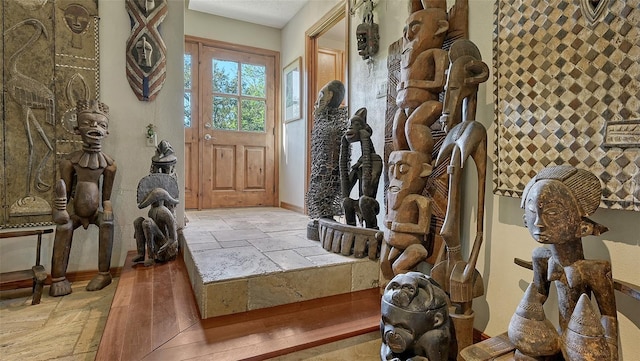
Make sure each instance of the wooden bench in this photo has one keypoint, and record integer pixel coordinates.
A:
(37, 273)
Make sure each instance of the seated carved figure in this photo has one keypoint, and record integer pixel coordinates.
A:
(415, 321)
(557, 202)
(408, 213)
(159, 232)
(82, 172)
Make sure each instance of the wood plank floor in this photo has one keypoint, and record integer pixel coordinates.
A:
(154, 317)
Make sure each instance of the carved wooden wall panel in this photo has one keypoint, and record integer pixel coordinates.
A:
(50, 60)
(568, 92)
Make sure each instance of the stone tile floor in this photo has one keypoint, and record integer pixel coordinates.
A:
(65, 328)
(242, 242)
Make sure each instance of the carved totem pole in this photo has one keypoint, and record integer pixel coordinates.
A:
(424, 66)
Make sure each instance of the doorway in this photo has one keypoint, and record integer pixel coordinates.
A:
(230, 134)
(326, 54)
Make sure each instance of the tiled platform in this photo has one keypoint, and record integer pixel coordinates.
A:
(243, 259)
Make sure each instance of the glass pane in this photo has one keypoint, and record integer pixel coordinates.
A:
(187, 110)
(253, 115)
(187, 71)
(225, 76)
(254, 81)
(225, 113)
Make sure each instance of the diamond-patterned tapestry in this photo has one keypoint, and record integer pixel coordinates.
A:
(567, 85)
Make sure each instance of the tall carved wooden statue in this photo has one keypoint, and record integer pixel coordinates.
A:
(465, 138)
(323, 199)
(81, 175)
(422, 78)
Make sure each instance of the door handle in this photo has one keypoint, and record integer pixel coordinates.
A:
(207, 125)
(208, 137)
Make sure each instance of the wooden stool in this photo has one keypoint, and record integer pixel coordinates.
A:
(37, 273)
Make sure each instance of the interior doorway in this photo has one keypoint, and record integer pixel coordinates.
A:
(327, 55)
(230, 132)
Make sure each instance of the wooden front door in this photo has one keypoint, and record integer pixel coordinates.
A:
(236, 130)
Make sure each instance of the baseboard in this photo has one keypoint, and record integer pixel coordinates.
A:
(71, 276)
(291, 207)
(478, 336)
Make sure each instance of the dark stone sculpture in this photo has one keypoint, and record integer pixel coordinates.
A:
(365, 172)
(323, 199)
(557, 202)
(415, 319)
(158, 234)
(367, 36)
(81, 174)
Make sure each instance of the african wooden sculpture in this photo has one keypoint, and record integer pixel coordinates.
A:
(368, 39)
(81, 175)
(157, 236)
(324, 199)
(465, 138)
(408, 213)
(415, 321)
(365, 172)
(422, 78)
(557, 202)
(146, 52)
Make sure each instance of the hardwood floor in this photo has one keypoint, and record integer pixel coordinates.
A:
(154, 317)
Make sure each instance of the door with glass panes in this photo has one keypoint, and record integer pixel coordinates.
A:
(236, 130)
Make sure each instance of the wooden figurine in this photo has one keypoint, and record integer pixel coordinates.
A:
(557, 202)
(365, 172)
(158, 234)
(86, 181)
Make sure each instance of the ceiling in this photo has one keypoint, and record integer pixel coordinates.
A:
(272, 13)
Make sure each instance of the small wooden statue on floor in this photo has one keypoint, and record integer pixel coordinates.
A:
(82, 172)
(365, 172)
(158, 234)
(557, 202)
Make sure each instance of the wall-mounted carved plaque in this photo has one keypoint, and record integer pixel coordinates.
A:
(146, 52)
(50, 60)
(567, 85)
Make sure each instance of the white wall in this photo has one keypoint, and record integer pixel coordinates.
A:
(126, 141)
(231, 31)
(293, 154)
(505, 235)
